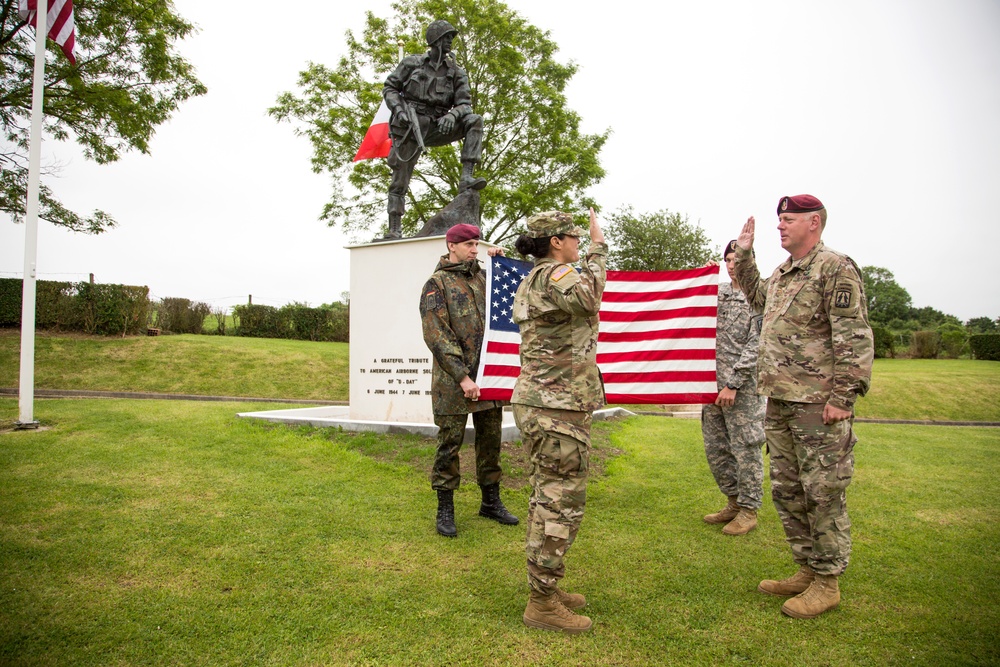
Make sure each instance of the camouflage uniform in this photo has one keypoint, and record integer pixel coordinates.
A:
(556, 308)
(815, 348)
(734, 434)
(453, 311)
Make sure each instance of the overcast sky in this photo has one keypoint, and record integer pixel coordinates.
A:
(887, 110)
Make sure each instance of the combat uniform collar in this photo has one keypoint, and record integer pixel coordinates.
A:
(804, 261)
(448, 60)
(727, 290)
(470, 267)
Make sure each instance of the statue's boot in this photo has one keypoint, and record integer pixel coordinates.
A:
(468, 181)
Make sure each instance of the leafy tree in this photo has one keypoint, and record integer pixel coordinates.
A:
(658, 241)
(535, 157)
(931, 318)
(886, 299)
(127, 80)
(981, 325)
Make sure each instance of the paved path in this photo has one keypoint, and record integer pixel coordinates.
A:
(677, 411)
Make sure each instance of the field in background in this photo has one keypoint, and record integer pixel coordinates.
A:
(184, 364)
(941, 389)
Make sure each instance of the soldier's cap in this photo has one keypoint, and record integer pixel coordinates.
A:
(552, 223)
(799, 204)
(731, 247)
(462, 232)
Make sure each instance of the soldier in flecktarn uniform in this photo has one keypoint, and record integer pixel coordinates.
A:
(453, 315)
(815, 360)
(556, 309)
(733, 427)
(437, 91)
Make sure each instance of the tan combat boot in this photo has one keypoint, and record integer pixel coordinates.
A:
(793, 585)
(744, 522)
(570, 600)
(822, 595)
(726, 514)
(547, 613)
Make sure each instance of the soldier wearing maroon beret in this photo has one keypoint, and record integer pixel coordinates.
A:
(453, 317)
(814, 361)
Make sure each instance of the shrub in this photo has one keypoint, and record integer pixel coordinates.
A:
(985, 346)
(111, 310)
(295, 320)
(220, 314)
(953, 340)
(884, 342)
(306, 323)
(53, 303)
(925, 344)
(181, 315)
(260, 322)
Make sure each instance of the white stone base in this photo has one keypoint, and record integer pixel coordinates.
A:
(334, 416)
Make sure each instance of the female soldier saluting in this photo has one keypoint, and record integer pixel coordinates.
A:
(558, 389)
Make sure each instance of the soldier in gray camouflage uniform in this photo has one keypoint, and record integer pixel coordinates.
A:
(559, 387)
(815, 360)
(733, 427)
(453, 316)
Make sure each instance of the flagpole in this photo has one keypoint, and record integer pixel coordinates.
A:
(26, 390)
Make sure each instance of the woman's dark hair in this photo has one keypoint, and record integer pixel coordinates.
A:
(536, 247)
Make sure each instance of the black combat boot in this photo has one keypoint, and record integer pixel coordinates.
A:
(492, 507)
(467, 181)
(446, 513)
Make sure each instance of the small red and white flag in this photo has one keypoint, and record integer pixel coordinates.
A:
(376, 142)
(59, 19)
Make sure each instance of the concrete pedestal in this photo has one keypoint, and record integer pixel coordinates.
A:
(390, 365)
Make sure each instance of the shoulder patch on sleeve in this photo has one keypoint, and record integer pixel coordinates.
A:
(563, 278)
(431, 299)
(561, 272)
(846, 298)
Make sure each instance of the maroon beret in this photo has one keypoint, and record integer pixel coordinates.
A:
(462, 232)
(731, 247)
(799, 204)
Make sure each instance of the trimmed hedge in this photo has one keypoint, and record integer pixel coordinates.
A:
(107, 310)
(53, 303)
(296, 321)
(985, 346)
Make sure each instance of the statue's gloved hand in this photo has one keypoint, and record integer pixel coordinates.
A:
(446, 123)
(400, 118)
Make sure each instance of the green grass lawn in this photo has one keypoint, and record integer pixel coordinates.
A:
(933, 389)
(940, 389)
(184, 364)
(172, 533)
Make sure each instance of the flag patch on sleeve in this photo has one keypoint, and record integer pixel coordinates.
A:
(561, 272)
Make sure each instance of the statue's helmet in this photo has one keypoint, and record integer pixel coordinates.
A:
(439, 29)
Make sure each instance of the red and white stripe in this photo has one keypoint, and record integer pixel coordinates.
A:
(656, 342)
(376, 142)
(59, 18)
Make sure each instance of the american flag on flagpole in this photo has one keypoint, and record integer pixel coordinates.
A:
(59, 19)
(656, 342)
